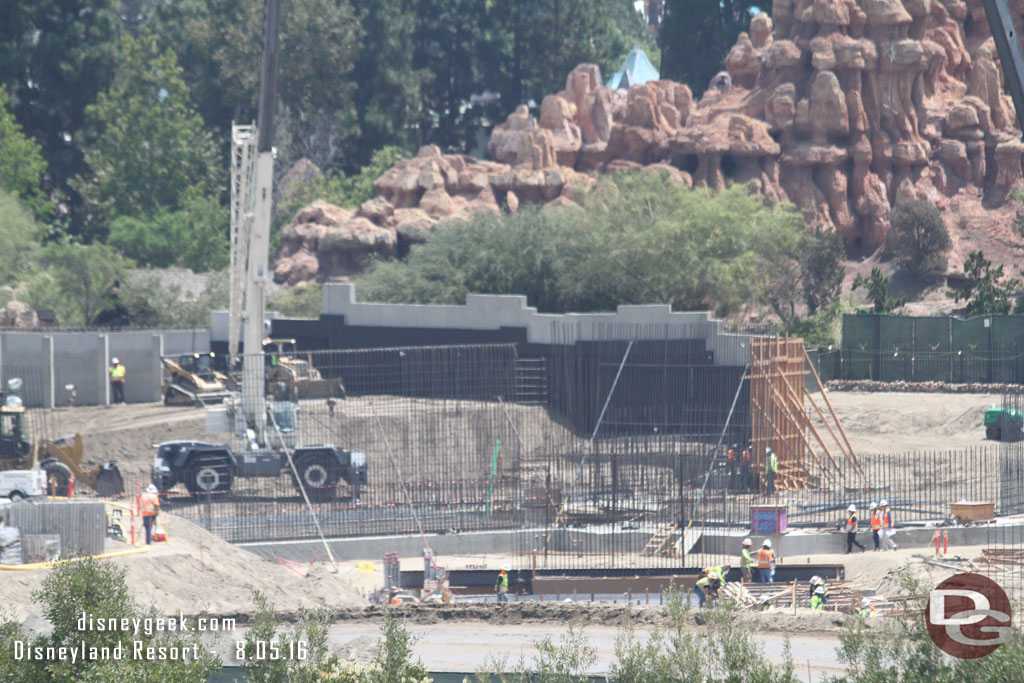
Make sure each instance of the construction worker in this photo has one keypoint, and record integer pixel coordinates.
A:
(501, 585)
(771, 468)
(888, 528)
(818, 599)
(707, 587)
(765, 560)
(818, 588)
(850, 527)
(746, 560)
(721, 571)
(116, 381)
(876, 525)
(394, 599)
(149, 506)
(867, 610)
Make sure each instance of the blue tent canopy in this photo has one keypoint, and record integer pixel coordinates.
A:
(636, 70)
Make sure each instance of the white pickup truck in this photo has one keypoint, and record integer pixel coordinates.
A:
(18, 484)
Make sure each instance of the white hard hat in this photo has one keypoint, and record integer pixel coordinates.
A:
(820, 589)
(874, 506)
(884, 503)
(815, 579)
(747, 541)
(151, 488)
(114, 360)
(767, 543)
(768, 450)
(506, 567)
(864, 602)
(852, 508)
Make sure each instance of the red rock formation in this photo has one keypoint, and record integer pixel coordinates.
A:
(834, 105)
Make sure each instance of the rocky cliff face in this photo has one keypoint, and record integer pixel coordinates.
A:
(839, 106)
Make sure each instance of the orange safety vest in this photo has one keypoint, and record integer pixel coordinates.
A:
(851, 523)
(764, 558)
(149, 504)
(876, 523)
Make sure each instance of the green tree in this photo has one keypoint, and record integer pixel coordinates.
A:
(696, 36)
(317, 48)
(822, 269)
(601, 32)
(146, 303)
(919, 238)
(146, 147)
(68, 591)
(76, 280)
(640, 238)
(19, 235)
(55, 57)
(21, 163)
(303, 301)
(387, 101)
(194, 237)
(530, 252)
(984, 289)
(878, 292)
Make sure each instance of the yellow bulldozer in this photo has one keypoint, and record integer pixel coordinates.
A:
(290, 377)
(191, 379)
(59, 458)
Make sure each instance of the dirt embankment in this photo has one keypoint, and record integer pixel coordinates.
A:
(197, 572)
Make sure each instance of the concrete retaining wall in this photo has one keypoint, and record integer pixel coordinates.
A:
(493, 312)
(81, 524)
(48, 361)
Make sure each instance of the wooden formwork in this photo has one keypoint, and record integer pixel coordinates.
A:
(781, 412)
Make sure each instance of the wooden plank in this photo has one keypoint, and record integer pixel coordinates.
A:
(832, 411)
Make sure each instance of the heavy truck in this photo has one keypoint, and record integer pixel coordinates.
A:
(209, 468)
(59, 458)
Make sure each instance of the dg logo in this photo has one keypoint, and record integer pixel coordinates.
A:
(968, 616)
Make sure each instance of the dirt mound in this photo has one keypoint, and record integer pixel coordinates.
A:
(197, 572)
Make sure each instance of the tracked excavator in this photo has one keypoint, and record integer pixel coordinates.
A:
(59, 458)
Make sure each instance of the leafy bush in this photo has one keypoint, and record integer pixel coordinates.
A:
(76, 281)
(196, 236)
(97, 588)
(19, 235)
(640, 238)
(822, 269)
(302, 301)
(919, 239)
(984, 289)
(878, 292)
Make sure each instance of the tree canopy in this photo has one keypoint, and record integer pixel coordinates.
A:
(639, 238)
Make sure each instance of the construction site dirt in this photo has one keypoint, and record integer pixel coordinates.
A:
(876, 422)
(196, 571)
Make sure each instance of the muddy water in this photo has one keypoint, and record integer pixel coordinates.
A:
(465, 647)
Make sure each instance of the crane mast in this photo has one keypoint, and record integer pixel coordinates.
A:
(252, 203)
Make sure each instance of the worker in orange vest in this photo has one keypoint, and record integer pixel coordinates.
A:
(850, 527)
(876, 526)
(765, 559)
(149, 506)
(888, 524)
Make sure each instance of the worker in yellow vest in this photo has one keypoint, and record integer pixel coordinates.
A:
(746, 560)
(771, 469)
(117, 372)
